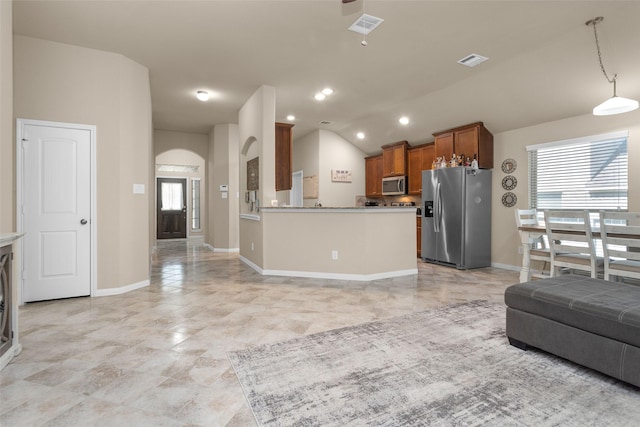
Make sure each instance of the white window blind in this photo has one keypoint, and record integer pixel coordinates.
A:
(583, 173)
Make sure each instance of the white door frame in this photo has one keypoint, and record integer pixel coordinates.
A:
(20, 123)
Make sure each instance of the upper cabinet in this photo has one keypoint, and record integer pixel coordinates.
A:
(373, 174)
(419, 158)
(284, 149)
(394, 159)
(469, 140)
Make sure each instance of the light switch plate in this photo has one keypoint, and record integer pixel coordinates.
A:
(138, 188)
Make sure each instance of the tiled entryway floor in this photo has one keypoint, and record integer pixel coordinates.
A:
(157, 356)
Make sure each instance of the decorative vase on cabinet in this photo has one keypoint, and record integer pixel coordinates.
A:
(468, 140)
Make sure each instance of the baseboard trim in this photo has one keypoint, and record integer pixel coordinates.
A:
(334, 276)
(222, 250)
(506, 266)
(251, 264)
(121, 290)
(8, 356)
(341, 276)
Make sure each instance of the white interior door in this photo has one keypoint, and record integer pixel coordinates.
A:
(56, 212)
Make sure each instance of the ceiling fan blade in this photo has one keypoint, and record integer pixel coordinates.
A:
(348, 1)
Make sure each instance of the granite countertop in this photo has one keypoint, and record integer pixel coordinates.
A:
(8, 238)
(339, 209)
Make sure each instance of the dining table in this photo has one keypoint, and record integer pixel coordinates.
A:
(530, 233)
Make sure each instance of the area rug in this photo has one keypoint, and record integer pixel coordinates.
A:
(445, 367)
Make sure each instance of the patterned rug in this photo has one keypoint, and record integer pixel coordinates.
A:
(446, 367)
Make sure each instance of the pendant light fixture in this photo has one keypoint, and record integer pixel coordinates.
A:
(615, 104)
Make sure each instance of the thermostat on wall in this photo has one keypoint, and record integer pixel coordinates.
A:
(224, 187)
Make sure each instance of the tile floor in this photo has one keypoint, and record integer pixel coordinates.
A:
(157, 356)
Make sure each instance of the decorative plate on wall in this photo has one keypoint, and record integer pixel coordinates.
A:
(509, 182)
(509, 199)
(509, 166)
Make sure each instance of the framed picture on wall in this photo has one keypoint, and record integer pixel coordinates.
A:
(253, 174)
(340, 175)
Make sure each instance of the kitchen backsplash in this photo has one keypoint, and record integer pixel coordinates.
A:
(392, 200)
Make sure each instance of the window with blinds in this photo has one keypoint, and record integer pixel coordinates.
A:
(582, 173)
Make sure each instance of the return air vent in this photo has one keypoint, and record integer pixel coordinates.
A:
(472, 60)
(365, 24)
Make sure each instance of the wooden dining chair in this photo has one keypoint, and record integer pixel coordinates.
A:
(571, 242)
(620, 234)
(537, 248)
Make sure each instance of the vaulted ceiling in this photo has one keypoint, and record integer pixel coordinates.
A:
(542, 59)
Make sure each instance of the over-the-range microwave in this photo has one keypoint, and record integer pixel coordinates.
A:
(394, 185)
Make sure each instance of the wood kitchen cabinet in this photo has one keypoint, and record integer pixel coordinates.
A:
(373, 176)
(394, 159)
(284, 149)
(469, 140)
(444, 145)
(419, 158)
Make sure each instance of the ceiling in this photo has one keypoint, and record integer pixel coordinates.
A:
(542, 59)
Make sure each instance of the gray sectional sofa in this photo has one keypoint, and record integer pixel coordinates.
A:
(592, 322)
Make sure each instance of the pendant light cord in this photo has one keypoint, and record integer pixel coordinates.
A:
(594, 22)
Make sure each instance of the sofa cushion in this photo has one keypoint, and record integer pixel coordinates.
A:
(605, 308)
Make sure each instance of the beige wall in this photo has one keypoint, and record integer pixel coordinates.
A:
(184, 149)
(371, 243)
(65, 83)
(306, 155)
(321, 151)
(7, 143)
(222, 169)
(511, 144)
(256, 130)
(338, 153)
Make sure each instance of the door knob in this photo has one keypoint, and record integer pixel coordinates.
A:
(83, 221)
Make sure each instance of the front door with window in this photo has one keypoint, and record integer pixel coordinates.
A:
(172, 208)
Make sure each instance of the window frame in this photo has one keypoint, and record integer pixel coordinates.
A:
(533, 181)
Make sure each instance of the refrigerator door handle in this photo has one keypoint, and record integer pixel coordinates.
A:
(436, 219)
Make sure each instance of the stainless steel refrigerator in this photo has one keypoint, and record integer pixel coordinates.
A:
(456, 217)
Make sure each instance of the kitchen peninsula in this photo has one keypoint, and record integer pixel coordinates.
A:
(348, 243)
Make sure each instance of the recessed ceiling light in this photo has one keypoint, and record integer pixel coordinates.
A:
(291, 117)
(320, 96)
(360, 135)
(327, 91)
(202, 95)
(404, 120)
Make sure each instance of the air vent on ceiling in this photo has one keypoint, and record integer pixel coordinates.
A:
(326, 122)
(472, 60)
(365, 24)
